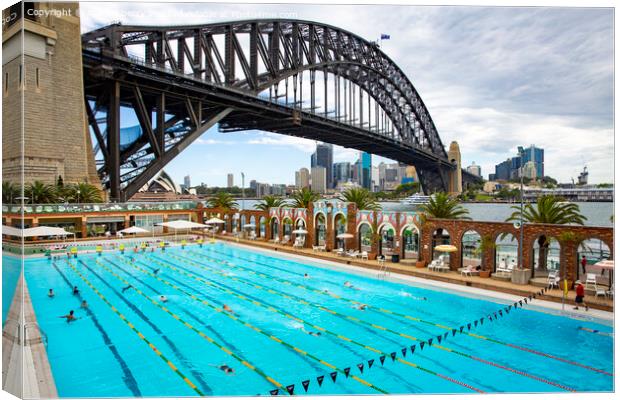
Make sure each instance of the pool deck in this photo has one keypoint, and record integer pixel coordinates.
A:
(26, 370)
(453, 277)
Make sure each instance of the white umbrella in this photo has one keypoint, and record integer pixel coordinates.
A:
(133, 229)
(300, 232)
(249, 226)
(344, 236)
(215, 221)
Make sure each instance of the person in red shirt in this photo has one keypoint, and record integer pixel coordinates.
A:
(581, 292)
(584, 262)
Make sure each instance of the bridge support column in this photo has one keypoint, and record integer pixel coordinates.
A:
(114, 128)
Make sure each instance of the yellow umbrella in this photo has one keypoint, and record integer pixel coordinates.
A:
(446, 248)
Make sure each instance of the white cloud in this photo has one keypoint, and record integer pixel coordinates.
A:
(273, 139)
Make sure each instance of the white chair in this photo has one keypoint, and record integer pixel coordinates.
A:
(599, 292)
(353, 254)
(340, 251)
(467, 271)
(553, 279)
(364, 255)
(590, 280)
(610, 292)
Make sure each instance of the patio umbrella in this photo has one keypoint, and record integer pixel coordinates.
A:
(344, 236)
(215, 221)
(446, 248)
(249, 226)
(133, 229)
(300, 232)
(181, 224)
(607, 265)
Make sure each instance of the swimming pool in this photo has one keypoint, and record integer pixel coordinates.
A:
(129, 343)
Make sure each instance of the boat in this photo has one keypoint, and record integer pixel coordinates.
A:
(416, 199)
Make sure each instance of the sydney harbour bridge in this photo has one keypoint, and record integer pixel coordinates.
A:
(291, 77)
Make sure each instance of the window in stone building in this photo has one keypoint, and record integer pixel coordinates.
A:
(21, 76)
(37, 78)
(6, 82)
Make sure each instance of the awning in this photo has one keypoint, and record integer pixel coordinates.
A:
(134, 229)
(36, 231)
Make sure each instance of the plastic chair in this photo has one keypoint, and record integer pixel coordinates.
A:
(590, 280)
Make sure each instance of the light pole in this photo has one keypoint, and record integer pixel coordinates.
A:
(242, 191)
(78, 196)
(521, 215)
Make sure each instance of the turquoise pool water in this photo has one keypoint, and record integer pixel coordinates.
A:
(129, 343)
(11, 268)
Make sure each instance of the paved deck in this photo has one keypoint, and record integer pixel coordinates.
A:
(405, 268)
(26, 371)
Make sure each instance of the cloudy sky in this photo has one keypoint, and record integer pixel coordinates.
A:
(492, 78)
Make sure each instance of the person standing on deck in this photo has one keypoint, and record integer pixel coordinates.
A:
(580, 294)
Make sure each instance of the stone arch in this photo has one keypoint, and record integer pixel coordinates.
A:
(470, 247)
(551, 260)
(438, 237)
(364, 234)
(274, 224)
(262, 226)
(320, 229)
(387, 238)
(410, 244)
(287, 229)
(593, 252)
(506, 251)
(339, 224)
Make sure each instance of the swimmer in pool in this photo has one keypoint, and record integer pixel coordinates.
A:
(311, 333)
(225, 368)
(76, 291)
(350, 285)
(414, 297)
(362, 307)
(70, 317)
(228, 309)
(156, 271)
(84, 304)
(163, 298)
(51, 294)
(126, 288)
(306, 276)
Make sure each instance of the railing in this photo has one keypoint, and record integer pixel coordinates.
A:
(97, 207)
(18, 331)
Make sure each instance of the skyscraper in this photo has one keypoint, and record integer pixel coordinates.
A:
(230, 180)
(324, 157)
(318, 177)
(342, 172)
(186, 181)
(474, 169)
(365, 166)
(302, 178)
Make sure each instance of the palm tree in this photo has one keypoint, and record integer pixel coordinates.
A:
(82, 193)
(362, 198)
(548, 210)
(41, 193)
(10, 191)
(223, 200)
(440, 205)
(304, 197)
(269, 201)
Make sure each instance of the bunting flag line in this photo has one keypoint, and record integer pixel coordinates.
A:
(422, 345)
(404, 351)
(360, 366)
(319, 379)
(393, 355)
(274, 392)
(439, 339)
(370, 362)
(445, 335)
(346, 371)
(412, 348)
(430, 341)
(333, 375)
(305, 384)
(468, 326)
(475, 323)
(461, 329)
(481, 320)
(453, 332)
(382, 359)
(290, 389)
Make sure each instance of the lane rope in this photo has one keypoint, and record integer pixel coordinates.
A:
(378, 327)
(237, 319)
(390, 312)
(191, 327)
(140, 335)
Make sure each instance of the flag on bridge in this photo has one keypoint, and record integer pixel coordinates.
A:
(385, 36)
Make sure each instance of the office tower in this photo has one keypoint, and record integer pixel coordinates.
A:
(318, 179)
(342, 172)
(365, 166)
(187, 182)
(324, 157)
(302, 178)
(474, 169)
(230, 180)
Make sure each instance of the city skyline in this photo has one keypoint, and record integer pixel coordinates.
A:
(526, 75)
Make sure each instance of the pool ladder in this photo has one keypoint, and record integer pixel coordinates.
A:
(384, 271)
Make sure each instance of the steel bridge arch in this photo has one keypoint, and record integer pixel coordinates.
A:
(280, 49)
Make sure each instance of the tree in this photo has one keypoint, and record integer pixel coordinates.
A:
(59, 182)
(10, 191)
(81, 193)
(362, 198)
(548, 210)
(38, 192)
(304, 197)
(223, 200)
(269, 201)
(440, 205)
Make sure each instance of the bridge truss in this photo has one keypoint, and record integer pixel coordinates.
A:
(291, 77)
